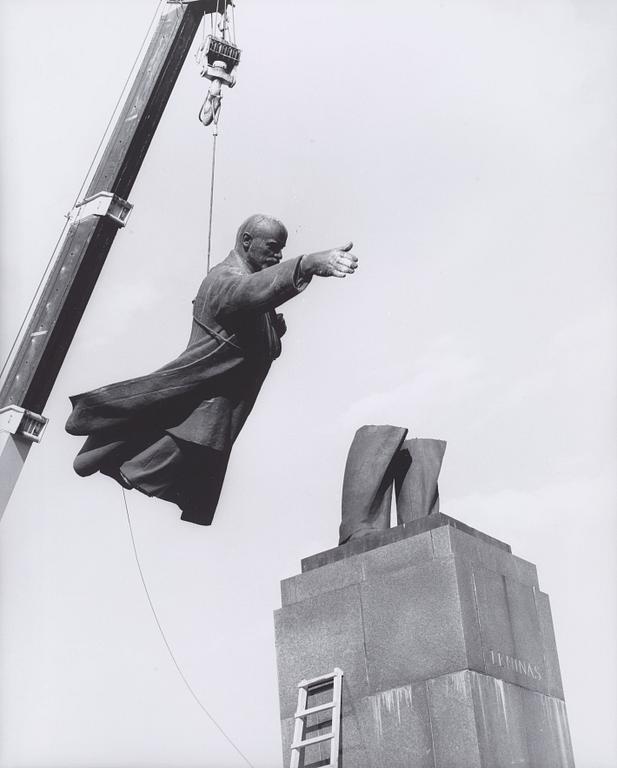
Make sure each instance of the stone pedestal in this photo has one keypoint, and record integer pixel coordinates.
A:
(447, 648)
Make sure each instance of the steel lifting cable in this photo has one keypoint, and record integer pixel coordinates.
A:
(223, 14)
(213, 155)
(233, 19)
(168, 646)
(218, 11)
(214, 137)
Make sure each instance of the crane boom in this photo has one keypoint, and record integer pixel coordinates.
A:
(93, 225)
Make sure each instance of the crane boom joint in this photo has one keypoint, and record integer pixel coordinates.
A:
(19, 421)
(102, 204)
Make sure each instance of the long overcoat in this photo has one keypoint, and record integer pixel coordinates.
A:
(203, 397)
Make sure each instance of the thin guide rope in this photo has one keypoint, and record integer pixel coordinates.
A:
(35, 295)
(122, 92)
(169, 650)
(45, 273)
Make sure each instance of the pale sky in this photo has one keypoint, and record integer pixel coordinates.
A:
(468, 148)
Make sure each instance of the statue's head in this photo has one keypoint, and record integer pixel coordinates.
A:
(260, 240)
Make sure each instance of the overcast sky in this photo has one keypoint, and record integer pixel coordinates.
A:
(468, 148)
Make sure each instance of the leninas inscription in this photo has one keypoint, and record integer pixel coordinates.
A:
(499, 659)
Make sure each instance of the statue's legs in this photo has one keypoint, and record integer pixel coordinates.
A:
(368, 480)
(378, 461)
(419, 463)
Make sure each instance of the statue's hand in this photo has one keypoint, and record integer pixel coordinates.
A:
(339, 262)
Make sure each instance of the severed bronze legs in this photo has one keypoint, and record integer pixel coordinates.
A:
(380, 460)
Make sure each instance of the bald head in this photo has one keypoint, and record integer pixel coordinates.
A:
(260, 224)
(260, 240)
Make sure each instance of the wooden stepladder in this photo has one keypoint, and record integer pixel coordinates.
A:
(306, 689)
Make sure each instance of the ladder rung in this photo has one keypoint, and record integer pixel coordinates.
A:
(314, 740)
(320, 679)
(314, 710)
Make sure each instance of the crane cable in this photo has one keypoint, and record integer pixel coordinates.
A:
(215, 129)
(168, 646)
(214, 137)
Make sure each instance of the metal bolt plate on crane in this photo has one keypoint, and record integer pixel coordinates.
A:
(19, 421)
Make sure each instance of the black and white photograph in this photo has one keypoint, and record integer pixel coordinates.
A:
(308, 399)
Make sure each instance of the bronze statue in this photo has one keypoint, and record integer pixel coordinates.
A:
(379, 462)
(169, 434)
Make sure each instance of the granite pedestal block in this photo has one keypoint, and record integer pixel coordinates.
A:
(447, 648)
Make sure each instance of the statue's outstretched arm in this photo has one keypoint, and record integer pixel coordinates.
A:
(257, 292)
(232, 292)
